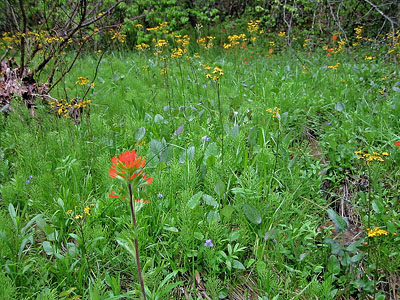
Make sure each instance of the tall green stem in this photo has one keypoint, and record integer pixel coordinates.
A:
(136, 241)
(369, 197)
(221, 121)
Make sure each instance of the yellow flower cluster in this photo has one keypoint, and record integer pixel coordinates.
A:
(369, 57)
(275, 112)
(253, 26)
(215, 75)
(282, 33)
(163, 71)
(82, 80)
(334, 67)
(341, 46)
(235, 40)
(160, 26)
(161, 43)
(376, 232)
(177, 52)
(142, 46)
(86, 211)
(116, 35)
(394, 43)
(182, 40)
(42, 37)
(368, 158)
(358, 31)
(206, 42)
(64, 107)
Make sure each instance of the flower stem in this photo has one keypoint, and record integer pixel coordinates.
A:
(221, 121)
(136, 241)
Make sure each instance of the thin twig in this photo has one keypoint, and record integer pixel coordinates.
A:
(94, 77)
(386, 17)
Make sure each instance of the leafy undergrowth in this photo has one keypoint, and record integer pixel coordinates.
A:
(257, 190)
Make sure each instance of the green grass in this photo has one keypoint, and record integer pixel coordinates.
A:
(264, 208)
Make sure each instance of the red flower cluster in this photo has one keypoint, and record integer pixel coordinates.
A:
(334, 37)
(397, 143)
(128, 165)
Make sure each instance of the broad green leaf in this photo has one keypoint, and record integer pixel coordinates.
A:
(116, 77)
(127, 244)
(270, 235)
(42, 224)
(227, 211)
(194, 200)
(29, 224)
(252, 138)
(171, 228)
(140, 133)
(48, 248)
(187, 155)
(356, 258)
(252, 214)
(261, 266)
(377, 206)
(353, 247)
(341, 225)
(235, 131)
(339, 106)
(198, 236)
(156, 146)
(333, 265)
(13, 214)
(210, 162)
(211, 150)
(233, 236)
(158, 119)
(213, 216)
(238, 265)
(219, 188)
(209, 200)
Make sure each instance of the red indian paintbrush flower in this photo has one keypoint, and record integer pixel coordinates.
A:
(129, 166)
(397, 143)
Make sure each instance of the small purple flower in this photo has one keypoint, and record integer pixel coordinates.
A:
(206, 138)
(179, 130)
(27, 182)
(159, 195)
(30, 176)
(208, 244)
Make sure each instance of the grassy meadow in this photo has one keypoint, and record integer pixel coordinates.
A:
(275, 176)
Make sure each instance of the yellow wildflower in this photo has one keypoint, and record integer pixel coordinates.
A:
(376, 232)
(87, 210)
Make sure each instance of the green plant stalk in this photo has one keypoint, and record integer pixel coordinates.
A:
(369, 197)
(166, 82)
(221, 121)
(276, 161)
(136, 242)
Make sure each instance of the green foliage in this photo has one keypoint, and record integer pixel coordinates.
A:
(265, 206)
